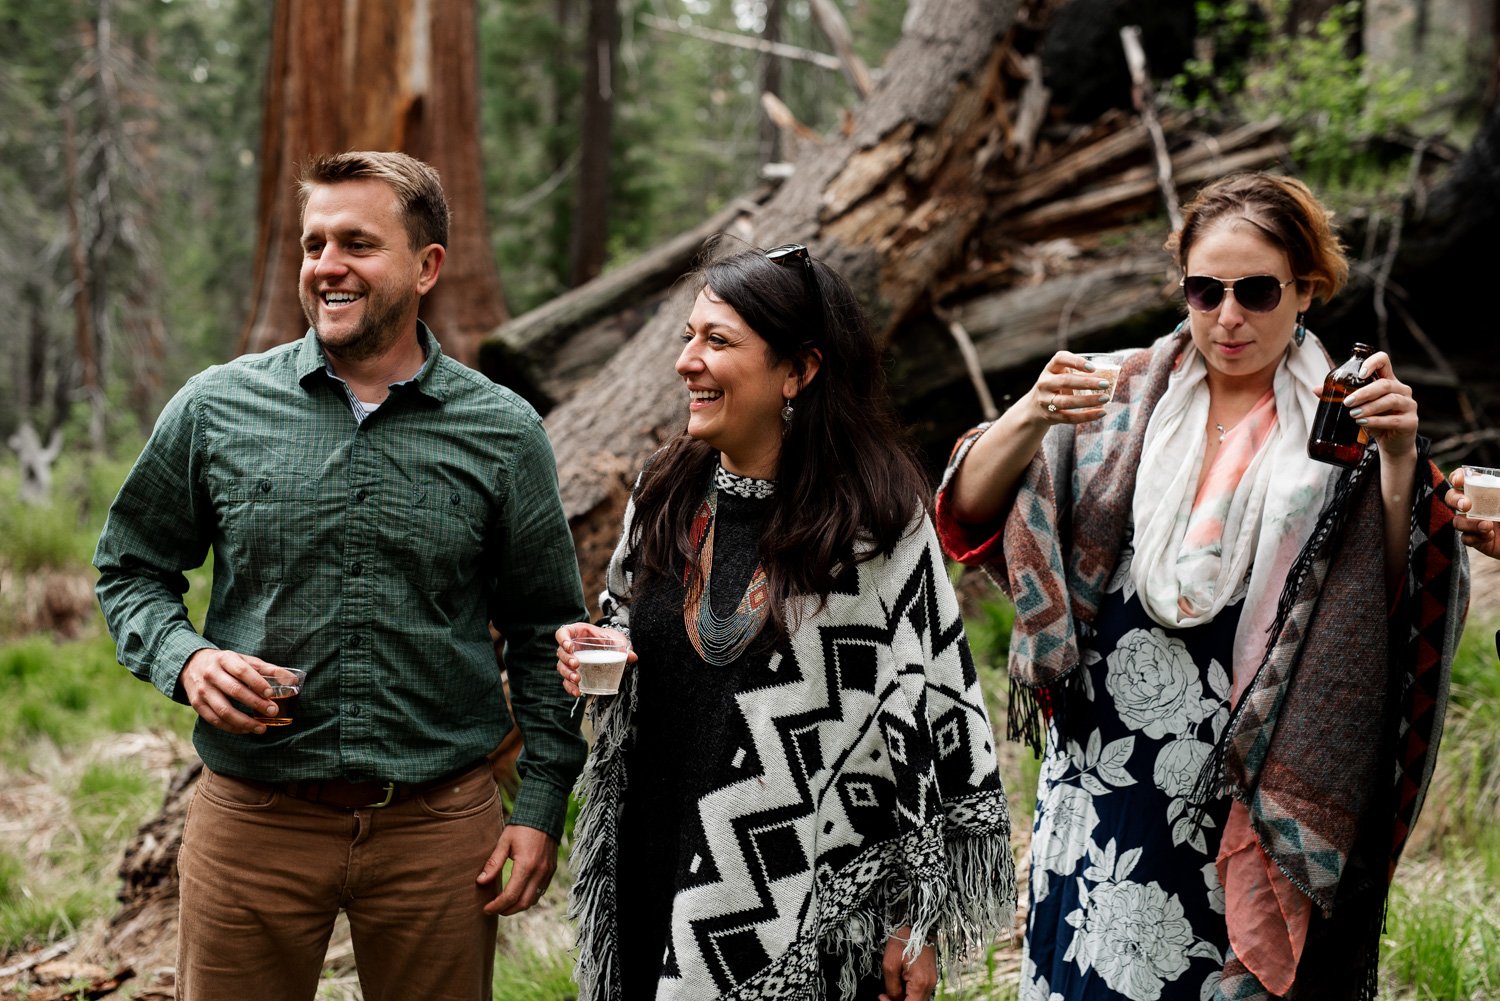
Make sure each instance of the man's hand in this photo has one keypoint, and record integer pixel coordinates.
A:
(903, 981)
(533, 858)
(212, 678)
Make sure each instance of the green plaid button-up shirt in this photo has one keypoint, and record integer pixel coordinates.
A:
(371, 555)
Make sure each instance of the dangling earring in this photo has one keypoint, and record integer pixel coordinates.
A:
(786, 416)
(1300, 334)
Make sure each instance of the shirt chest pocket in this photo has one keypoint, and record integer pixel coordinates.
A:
(262, 517)
(445, 539)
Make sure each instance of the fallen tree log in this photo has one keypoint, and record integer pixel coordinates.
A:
(523, 353)
(1019, 328)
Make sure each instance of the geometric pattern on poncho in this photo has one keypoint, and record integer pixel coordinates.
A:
(864, 791)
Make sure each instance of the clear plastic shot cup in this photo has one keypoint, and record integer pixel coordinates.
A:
(601, 662)
(1106, 366)
(1482, 487)
(286, 692)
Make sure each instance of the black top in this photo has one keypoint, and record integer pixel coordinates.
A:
(681, 730)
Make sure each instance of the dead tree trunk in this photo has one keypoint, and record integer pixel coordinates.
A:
(362, 75)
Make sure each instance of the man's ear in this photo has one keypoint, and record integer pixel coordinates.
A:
(432, 257)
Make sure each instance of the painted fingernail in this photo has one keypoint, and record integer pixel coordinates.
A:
(1088, 366)
(1362, 421)
(1103, 383)
(1356, 412)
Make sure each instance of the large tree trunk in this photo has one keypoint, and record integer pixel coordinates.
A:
(591, 202)
(390, 75)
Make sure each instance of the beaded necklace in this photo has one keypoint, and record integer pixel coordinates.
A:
(719, 640)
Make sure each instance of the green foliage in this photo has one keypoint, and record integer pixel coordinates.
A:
(1338, 108)
(1337, 104)
(1228, 33)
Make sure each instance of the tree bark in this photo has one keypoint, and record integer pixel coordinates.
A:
(770, 83)
(86, 339)
(591, 201)
(395, 75)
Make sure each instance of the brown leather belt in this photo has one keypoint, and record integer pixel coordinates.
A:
(372, 794)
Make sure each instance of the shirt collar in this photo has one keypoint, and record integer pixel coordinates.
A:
(430, 381)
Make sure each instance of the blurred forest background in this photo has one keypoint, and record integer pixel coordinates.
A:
(983, 171)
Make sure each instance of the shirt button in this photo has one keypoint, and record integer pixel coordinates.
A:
(265, 486)
(356, 570)
(355, 642)
(354, 710)
(453, 499)
(360, 495)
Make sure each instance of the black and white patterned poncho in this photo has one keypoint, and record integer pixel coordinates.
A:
(867, 798)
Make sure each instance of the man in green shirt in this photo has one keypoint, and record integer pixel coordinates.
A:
(372, 506)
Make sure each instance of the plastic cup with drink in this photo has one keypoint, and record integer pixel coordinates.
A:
(601, 660)
(1107, 367)
(286, 692)
(1482, 487)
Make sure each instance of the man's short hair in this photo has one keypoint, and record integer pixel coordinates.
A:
(418, 188)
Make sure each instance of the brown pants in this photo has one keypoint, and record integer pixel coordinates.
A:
(263, 876)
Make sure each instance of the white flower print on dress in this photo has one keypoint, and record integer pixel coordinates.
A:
(1155, 684)
(1135, 936)
(1215, 888)
(1033, 987)
(1178, 764)
(1067, 817)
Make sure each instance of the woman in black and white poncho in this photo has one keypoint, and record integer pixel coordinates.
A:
(794, 795)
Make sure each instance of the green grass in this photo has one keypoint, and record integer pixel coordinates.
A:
(70, 693)
(524, 974)
(1443, 941)
(39, 538)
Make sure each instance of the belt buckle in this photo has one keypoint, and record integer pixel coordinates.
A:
(390, 793)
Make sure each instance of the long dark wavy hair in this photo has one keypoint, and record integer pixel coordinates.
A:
(847, 483)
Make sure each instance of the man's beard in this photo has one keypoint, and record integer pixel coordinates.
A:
(375, 333)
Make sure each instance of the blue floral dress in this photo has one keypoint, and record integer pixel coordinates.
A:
(1125, 901)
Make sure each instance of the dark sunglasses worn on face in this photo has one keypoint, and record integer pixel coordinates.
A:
(1256, 293)
(792, 255)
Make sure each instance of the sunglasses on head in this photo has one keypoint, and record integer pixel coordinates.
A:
(792, 255)
(1257, 293)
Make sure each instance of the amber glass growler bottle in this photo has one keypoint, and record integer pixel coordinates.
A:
(1335, 437)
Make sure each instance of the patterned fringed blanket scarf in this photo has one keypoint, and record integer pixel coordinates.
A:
(1352, 691)
(876, 802)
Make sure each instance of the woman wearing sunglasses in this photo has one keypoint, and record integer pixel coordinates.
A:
(795, 793)
(1237, 656)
